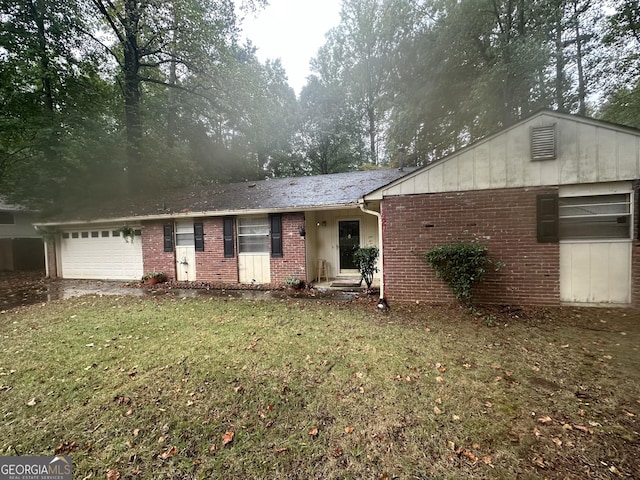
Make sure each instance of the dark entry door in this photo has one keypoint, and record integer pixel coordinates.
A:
(349, 242)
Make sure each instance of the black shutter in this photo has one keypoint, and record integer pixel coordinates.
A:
(276, 235)
(547, 218)
(227, 233)
(168, 237)
(198, 235)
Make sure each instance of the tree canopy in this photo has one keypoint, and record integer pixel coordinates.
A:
(104, 98)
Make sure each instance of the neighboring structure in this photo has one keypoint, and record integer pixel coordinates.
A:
(21, 246)
(253, 232)
(553, 196)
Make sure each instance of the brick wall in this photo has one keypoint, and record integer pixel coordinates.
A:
(504, 219)
(211, 266)
(154, 258)
(293, 262)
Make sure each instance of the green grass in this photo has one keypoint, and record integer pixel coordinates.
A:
(423, 392)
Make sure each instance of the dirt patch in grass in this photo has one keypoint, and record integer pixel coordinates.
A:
(224, 388)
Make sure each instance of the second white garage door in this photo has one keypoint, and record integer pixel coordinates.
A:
(101, 254)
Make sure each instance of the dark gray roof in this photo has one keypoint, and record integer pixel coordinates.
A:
(279, 194)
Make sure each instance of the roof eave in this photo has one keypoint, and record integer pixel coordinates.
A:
(197, 214)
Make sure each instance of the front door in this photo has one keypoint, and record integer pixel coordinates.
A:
(185, 252)
(348, 243)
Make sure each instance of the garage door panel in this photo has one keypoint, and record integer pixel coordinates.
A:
(101, 258)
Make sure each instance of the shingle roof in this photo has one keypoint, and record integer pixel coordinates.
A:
(296, 193)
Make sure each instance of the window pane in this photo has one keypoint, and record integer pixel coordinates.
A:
(595, 217)
(185, 239)
(253, 235)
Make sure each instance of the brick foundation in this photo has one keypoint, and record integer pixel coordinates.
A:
(504, 219)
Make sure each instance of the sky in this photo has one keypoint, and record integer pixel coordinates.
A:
(293, 31)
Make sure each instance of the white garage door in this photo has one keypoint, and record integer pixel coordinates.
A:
(101, 254)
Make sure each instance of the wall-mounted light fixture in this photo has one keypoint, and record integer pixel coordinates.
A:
(323, 223)
(302, 231)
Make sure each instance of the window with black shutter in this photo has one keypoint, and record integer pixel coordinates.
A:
(547, 218)
(227, 234)
(168, 238)
(198, 235)
(276, 235)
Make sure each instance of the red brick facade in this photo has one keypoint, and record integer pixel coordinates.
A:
(293, 262)
(504, 219)
(211, 264)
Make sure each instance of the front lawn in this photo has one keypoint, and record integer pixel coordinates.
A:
(207, 388)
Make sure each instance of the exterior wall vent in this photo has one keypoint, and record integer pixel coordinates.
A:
(543, 142)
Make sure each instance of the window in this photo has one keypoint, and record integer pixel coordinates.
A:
(253, 235)
(95, 234)
(85, 234)
(7, 218)
(74, 234)
(115, 233)
(184, 234)
(595, 217)
(105, 233)
(65, 234)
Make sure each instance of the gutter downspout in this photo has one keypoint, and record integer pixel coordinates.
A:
(364, 209)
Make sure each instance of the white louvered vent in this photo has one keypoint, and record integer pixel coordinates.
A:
(543, 143)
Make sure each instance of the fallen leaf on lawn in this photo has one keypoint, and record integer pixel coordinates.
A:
(486, 460)
(113, 474)
(545, 419)
(136, 432)
(628, 414)
(348, 429)
(557, 441)
(438, 401)
(582, 428)
(190, 403)
(537, 432)
(227, 438)
(214, 448)
(281, 450)
(238, 389)
(31, 402)
(614, 470)
(470, 456)
(129, 412)
(566, 426)
(337, 452)
(439, 379)
(564, 346)
(168, 453)
(165, 429)
(539, 462)
(451, 445)
(313, 432)
(91, 345)
(437, 411)
(456, 417)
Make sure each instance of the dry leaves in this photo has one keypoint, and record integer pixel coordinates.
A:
(227, 438)
(313, 432)
(168, 453)
(113, 474)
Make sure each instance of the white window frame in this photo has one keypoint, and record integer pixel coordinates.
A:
(253, 232)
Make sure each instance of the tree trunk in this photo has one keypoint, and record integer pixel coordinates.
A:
(132, 97)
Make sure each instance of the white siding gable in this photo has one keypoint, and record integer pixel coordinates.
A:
(588, 151)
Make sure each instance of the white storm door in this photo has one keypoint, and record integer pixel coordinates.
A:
(185, 252)
(254, 258)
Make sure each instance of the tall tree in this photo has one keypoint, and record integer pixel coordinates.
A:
(177, 44)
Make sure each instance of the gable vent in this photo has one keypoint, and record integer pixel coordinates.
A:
(543, 143)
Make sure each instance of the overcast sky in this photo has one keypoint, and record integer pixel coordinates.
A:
(292, 30)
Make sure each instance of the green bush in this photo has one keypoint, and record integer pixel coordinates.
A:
(366, 258)
(461, 265)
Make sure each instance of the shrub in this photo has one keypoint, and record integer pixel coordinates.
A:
(461, 265)
(366, 258)
(293, 282)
